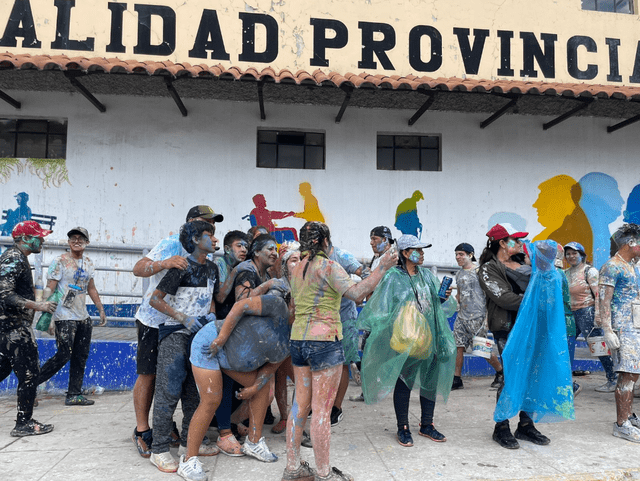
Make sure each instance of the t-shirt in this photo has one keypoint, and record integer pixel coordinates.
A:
(247, 272)
(67, 270)
(16, 287)
(623, 277)
(583, 282)
(317, 299)
(473, 304)
(189, 291)
(348, 308)
(222, 309)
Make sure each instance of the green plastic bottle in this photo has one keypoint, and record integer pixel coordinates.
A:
(45, 318)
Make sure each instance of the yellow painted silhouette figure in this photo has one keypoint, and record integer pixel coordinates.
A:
(311, 210)
(407, 220)
(559, 211)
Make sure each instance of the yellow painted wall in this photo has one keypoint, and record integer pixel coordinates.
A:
(564, 18)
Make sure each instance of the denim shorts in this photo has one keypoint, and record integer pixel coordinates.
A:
(318, 355)
(205, 337)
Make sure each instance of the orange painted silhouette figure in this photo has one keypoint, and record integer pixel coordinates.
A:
(311, 210)
(559, 211)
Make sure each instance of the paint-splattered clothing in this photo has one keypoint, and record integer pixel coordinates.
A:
(247, 273)
(583, 284)
(16, 288)
(66, 270)
(623, 277)
(224, 268)
(472, 302)
(189, 291)
(503, 296)
(317, 299)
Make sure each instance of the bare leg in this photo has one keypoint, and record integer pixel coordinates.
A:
(342, 388)
(624, 395)
(459, 361)
(265, 374)
(209, 384)
(143, 391)
(495, 362)
(297, 419)
(324, 385)
(283, 371)
(257, 404)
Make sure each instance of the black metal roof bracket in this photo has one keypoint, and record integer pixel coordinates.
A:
(624, 123)
(348, 90)
(585, 103)
(175, 96)
(10, 100)
(73, 75)
(503, 110)
(263, 115)
(424, 107)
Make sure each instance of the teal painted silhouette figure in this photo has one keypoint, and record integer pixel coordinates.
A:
(14, 216)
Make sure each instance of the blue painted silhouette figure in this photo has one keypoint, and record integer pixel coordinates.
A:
(631, 215)
(13, 217)
(518, 222)
(602, 203)
(407, 220)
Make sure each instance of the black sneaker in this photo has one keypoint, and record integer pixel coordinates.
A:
(306, 440)
(404, 437)
(269, 418)
(528, 432)
(143, 441)
(457, 383)
(336, 416)
(502, 435)
(78, 400)
(31, 428)
(498, 381)
(429, 431)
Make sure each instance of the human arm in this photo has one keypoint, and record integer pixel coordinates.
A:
(359, 291)
(147, 267)
(157, 302)
(226, 287)
(244, 290)
(604, 301)
(12, 270)
(95, 297)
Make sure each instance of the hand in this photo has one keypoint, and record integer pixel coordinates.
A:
(212, 349)
(45, 306)
(178, 262)
(277, 287)
(447, 293)
(389, 259)
(192, 323)
(103, 319)
(52, 328)
(211, 317)
(612, 340)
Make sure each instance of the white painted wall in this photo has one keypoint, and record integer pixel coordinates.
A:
(137, 169)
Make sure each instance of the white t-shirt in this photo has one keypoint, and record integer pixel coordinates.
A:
(67, 270)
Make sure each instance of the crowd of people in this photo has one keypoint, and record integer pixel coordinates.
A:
(223, 334)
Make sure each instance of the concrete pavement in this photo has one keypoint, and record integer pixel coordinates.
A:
(95, 443)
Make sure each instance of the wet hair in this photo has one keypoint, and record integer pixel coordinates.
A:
(259, 243)
(192, 230)
(490, 251)
(626, 233)
(251, 233)
(312, 236)
(233, 236)
(287, 249)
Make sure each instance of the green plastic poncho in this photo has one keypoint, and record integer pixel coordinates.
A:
(410, 338)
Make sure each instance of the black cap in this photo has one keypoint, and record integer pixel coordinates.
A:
(381, 231)
(79, 230)
(205, 212)
(464, 247)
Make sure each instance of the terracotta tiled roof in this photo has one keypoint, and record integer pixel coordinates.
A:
(317, 77)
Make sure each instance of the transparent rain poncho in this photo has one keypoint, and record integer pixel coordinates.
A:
(410, 338)
(536, 357)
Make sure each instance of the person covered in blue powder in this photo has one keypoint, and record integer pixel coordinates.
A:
(536, 358)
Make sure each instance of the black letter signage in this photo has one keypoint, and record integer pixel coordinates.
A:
(209, 37)
(62, 40)
(321, 42)
(415, 57)
(379, 47)
(168, 16)
(249, 53)
(471, 56)
(20, 14)
(531, 49)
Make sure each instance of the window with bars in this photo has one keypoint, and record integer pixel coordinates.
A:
(616, 6)
(283, 149)
(409, 152)
(33, 138)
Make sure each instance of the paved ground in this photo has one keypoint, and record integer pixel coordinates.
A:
(94, 443)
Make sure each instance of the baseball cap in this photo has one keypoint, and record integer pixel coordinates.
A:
(205, 212)
(464, 247)
(576, 247)
(29, 227)
(79, 230)
(410, 242)
(502, 231)
(381, 231)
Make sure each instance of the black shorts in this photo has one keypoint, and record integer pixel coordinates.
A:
(147, 355)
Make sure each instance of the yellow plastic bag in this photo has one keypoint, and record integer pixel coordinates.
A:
(411, 333)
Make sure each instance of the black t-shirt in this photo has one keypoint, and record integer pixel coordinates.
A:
(247, 273)
(16, 287)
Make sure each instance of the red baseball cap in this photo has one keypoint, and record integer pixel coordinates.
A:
(29, 227)
(502, 231)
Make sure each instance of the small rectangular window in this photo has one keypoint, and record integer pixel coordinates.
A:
(409, 152)
(33, 138)
(614, 6)
(285, 149)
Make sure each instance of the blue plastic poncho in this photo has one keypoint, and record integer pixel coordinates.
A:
(536, 357)
(410, 338)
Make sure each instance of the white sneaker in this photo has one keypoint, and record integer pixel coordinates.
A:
(609, 386)
(633, 419)
(210, 450)
(192, 469)
(259, 451)
(165, 462)
(627, 431)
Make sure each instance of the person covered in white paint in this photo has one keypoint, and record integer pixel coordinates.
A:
(504, 278)
(619, 311)
(583, 288)
(471, 320)
(72, 275)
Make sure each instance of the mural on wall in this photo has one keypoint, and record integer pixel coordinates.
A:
(517, 221)
(14, 216)
(602, 203)
(407, 220)
(311, 212)
(260, 215)
(632, 212)
(560, 213)
(52, 172)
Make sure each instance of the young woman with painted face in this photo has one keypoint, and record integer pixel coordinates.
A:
(317, 285)
(423, 355)
(504, 281)
(253, 278)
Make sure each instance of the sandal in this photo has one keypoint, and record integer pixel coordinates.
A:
(229, 445)
(280, 427)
